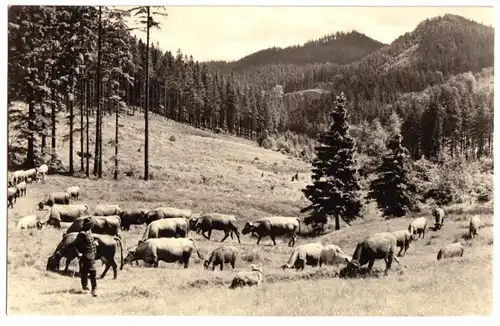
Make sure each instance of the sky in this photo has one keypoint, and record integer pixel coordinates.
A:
(230, 33)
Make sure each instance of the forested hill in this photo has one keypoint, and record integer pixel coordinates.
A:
(340, 48)
(437, 48)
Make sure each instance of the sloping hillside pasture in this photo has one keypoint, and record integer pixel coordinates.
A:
(207, 172)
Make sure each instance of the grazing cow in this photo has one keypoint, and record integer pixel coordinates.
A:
(438, 214)
(107, 210)
(418, 225)
(109, 225)
(12, 194)
(222, 255)
(42, 171)
(65, 213)
(274, 226)
(306, 254)
(60, 198)
(169, 250)
(248, 278)
(377, 246)
(21, 187)
(31, 173)
(452, 250)
(214, 221)
(74, 192)
(167, 228)
(106, 250)
(332, 254)
(403, 238)
(474, 226)
(29, 222)
(131, 217)
(165, 212)
(18, 176)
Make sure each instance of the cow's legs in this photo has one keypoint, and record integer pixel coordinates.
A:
(291, 243)
(370, 264)
(185, 258)
(108, 265)
(226, 235)
(203, 234)
(399, 253)
(258, 240)
(237, 235)
(274, 239)
(221, 266)
(232, 264)
(388, 264)
(209, 234)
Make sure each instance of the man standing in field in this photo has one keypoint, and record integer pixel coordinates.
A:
(86, 249)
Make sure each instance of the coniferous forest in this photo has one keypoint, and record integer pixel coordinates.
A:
(84, 61)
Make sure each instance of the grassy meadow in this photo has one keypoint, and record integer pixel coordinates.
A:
(220, 173)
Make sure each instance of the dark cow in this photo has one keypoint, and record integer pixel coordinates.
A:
(222, 255)
(274, 226)
(106, 250)
(132, 217)
(60, 198)
(109, 225)
(214, 221)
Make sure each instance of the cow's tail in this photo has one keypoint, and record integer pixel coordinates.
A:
(121, 251)
(291, 260)
(188, 228)
(146, 233)
(298, 229)
(196, 248)
(86, 209)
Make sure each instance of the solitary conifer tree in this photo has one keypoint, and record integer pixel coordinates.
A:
(335, 188)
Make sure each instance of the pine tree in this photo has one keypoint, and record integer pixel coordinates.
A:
(335, 187)
(394, 190)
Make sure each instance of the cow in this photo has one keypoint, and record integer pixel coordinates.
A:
(332, 254)
(418, 226)
(165, 212)
(74, 192)
(12, 195)
(274, 226)
(214, 221)
(439, 215)
(65, 213)
(106, 250)
(109, 225)
(306, 254)
(107, 210)
(167, 228)
(452, 250)
(31, 173)
(169, 250)
(474, 226)
(42, 171)
(29, 222)
(18, 176)
(21, 187)
(131, 217)
(222, 255)
(60, 198)
(403, 238)
(376, 246)
(254, 277)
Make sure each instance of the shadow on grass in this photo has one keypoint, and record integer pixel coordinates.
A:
(67, 291)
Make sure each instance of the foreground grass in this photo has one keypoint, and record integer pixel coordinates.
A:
(206, 172)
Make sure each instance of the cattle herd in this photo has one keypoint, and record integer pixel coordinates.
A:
(166, 237)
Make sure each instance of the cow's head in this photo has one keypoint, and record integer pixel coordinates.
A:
(352, 264)
(40, 225)
(40, 206)
(193, 223)
(53, 261)
(249, 227)
(206, 264)
(130, 257)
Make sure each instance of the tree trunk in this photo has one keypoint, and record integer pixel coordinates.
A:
(116, 143)
(146, 107)
(69, 104)
(53, 118)
(82, 100)
(44, 137)
(30, 157)
(87, 149)
(337, 222)
(98, 95)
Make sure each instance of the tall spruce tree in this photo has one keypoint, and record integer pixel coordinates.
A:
(393, 189)
(335, 188)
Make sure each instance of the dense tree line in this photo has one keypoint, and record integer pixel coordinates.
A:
(83, 60)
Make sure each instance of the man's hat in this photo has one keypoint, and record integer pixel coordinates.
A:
(88, 223)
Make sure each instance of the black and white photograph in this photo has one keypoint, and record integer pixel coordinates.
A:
(248, 160)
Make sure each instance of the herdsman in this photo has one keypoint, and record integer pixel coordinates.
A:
(86, 249)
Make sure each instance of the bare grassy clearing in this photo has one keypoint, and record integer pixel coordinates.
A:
(207, 172)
